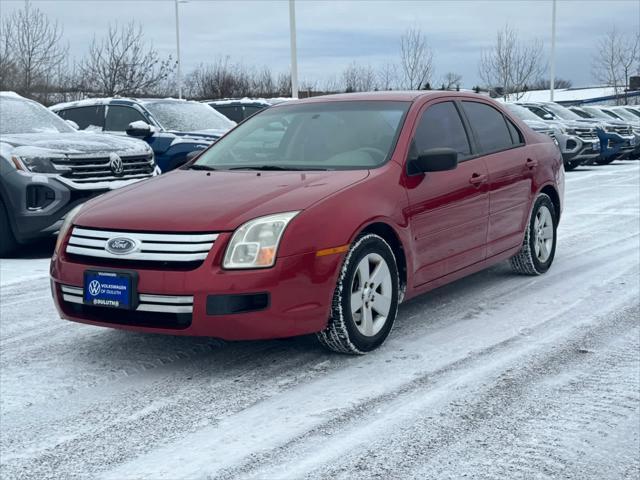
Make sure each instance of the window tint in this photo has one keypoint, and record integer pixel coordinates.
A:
(119, 117)
(87, 118)
(441, 126)
(232, 112)
(489, 125)
(516, 136)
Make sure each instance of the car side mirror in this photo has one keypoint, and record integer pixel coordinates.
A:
(139, 129)
(434, 160)
(73, 124)
(547, 116)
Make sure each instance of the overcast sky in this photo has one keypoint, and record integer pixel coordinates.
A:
(331, 34)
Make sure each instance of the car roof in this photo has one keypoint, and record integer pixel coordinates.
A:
(88, 102)
(394, 96)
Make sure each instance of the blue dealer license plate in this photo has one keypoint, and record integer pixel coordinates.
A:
(109, 289)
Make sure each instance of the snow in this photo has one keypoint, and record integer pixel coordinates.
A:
(6, 93)
(493, 376)
(566, 94)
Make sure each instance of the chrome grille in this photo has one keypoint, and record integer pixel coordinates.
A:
(159, 247)
(82, 169)
(589, 133)
(623, 130)
(146, 302)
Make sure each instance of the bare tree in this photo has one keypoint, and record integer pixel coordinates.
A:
(32, 48)
(358, 78)
(615, 58)
(451, 80)
(416, 59)
(388, 76)
(511, 65)
(545, 84)
(122, 63)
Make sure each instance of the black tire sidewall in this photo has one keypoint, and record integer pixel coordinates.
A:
(374, 244)
(542, 200)
(8, 243)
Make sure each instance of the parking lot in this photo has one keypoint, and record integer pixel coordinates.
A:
(495, 375)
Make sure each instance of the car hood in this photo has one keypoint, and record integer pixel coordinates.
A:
(199, 201)
(73, 143)
(208, 135)
(538, 126)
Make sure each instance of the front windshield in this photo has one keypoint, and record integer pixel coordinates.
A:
(596, 113)
(561, 112)
(612, 114)
(18, 115)
(311, 136)
(626, 114)
(182, 116)
(522, 112)
(582, 113)
(633, 112)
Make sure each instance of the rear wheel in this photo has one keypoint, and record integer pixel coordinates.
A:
(539, 245)
(365, 300)
(8, 243)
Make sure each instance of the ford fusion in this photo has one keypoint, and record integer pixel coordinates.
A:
(316, 217)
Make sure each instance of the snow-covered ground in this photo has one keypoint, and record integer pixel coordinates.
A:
(494, 376)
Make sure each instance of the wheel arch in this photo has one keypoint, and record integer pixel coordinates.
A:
(389, 235)
(555, 199)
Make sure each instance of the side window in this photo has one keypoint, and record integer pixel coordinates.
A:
(251, 109)
(516, 136)
(489, 125)
(232, 112)
(539, 111)
(87, 118)
(441, 126)
(120, 116)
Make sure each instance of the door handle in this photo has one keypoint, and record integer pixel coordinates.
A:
(531, 163)
(478, 179)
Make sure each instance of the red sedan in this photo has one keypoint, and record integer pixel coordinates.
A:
(316, 216)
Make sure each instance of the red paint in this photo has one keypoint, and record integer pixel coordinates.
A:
(450, 224)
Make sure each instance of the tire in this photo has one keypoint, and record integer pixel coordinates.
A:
(605, 161)
(539, 245)
(8, 243)
(568, 166)
(348, 330)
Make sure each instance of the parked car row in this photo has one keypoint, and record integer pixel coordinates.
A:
(586, 134)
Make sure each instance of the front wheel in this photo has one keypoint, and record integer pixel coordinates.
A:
(8, 243)
(605, 161)
(539, 245)
(365, 301)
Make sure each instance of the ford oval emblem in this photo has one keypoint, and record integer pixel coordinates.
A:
(121, 245)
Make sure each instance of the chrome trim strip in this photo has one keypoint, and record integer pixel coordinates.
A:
(152, 237)
(148, 302)
(148, 298)
(162, 257)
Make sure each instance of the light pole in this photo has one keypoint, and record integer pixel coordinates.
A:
(553, 51)
(178, 50)
(294, 54)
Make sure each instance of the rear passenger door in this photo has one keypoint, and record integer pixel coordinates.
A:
(511, 172)
(447, 210)
(87, 118)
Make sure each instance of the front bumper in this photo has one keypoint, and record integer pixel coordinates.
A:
(37, 203)
(292, 298)
(576, 148)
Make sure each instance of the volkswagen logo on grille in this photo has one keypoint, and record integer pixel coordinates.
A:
(116, 165)
(94, 288)
(121, 245)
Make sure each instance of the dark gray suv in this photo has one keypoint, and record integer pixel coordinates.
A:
(47, 167)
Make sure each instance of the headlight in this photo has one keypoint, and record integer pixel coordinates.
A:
(66, 225)
(41, 164)
(255, 244)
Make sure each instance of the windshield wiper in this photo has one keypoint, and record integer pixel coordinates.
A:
(275, 168)
(200, 167)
